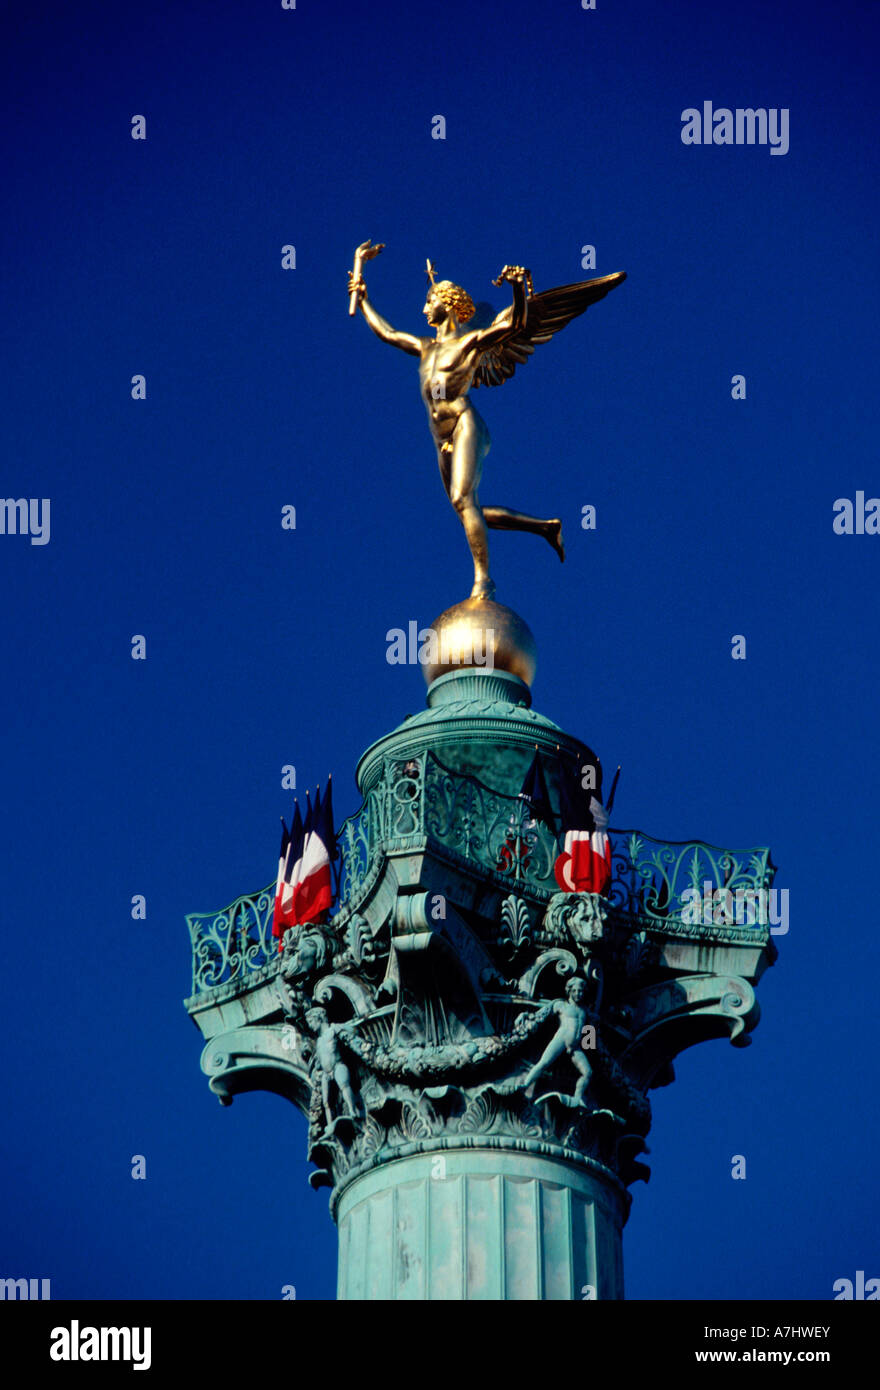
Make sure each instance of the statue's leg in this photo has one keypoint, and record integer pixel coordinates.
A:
(550, 1053)
(586, 1072)
(444, 459)
(470, 444)
(342, 1077)
(503, 519)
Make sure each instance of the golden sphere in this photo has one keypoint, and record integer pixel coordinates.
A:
(480, 634)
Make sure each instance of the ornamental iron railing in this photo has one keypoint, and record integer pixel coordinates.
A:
(233, 942)
(688, 881)
(418, 802)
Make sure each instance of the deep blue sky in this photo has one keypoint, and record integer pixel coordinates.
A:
(266, 647)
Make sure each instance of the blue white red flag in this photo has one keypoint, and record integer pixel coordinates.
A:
(287, 871)
(313, 889)
(584, 864)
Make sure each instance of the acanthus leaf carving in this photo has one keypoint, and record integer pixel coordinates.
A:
(516, 927)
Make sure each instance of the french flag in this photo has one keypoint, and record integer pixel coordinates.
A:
(584, 865)
(279, 882)
(291, 859)
(313, 888)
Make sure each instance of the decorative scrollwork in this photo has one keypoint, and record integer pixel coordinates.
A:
(565, 963)
(494, 829)
(650, 877)
(232, 942)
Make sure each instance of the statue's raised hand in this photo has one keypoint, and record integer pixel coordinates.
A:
(356, 287)
(515, 274)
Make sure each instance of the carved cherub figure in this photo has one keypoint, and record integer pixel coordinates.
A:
(328, 1060)
(567, 1038)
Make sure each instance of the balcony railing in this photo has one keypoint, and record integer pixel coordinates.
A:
(234, 942)
(418, 802)
(688, 880)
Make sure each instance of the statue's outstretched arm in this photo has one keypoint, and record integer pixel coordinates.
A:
(510, 321)
(407, 342)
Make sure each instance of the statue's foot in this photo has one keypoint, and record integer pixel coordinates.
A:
(483, 588)
(554, 536)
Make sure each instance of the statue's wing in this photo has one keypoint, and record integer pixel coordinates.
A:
(547, 313)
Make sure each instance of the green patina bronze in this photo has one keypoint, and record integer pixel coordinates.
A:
(474, 1049)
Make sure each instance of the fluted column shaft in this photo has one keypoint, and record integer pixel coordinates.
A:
(480, 1224)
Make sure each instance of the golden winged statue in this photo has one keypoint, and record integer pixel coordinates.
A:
(455, 360)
